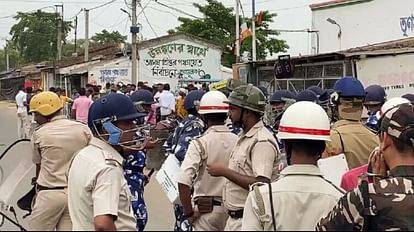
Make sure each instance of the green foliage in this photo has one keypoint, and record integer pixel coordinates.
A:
(106, 37)
(35, 35)
(219, 26)
(14, 59)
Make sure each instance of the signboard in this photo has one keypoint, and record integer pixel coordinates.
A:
(181, 59)
(394, 73)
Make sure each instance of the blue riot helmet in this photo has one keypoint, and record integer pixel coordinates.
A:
(106, 112)
(323, 95)
(142, 99)
(307, 95)
(192, 100)
(349, 87)
(280, 96)
(375, 95)
(348, 98)
(264, 91)
(316, 89)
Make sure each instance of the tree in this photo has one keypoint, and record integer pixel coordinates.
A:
(106, 37)
(35, 35)
(219, 26)
(14, 59)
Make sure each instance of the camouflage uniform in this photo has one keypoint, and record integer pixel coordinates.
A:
(190, 128)
(133, 172)
(372, 121)
(390, 205)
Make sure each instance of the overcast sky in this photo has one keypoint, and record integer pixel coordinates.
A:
(292, 15)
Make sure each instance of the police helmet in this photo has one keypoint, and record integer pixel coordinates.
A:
(375, 95)
(248, 97)
(193, 99)
(349, 87)
(307, 95)
(280, 96)
(142, 96)
(112, 108)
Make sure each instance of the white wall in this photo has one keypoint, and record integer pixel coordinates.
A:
(394, 73)
(116, 71)
(362, 24)
(170, 61)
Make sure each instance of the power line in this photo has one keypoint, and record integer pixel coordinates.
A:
(178, 10)
(146, 18)
(102, 5)
(11, 16)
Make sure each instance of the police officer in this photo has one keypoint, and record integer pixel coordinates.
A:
(348, 135)
(300, 196)
(307, 95)
(387, 203)
(280, 101)
(135, 162)
(99, 197)
(214, 146)
(374, 99)
(323, 97)
(254, 157)
(177, 144)
(54, 144)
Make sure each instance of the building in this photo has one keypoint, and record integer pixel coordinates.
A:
(345, 24)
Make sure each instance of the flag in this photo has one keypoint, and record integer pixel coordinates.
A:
(244, 32)
(259, 19)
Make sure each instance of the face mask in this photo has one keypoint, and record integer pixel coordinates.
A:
(114, 133)
(239, 122)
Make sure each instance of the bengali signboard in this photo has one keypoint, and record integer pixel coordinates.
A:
(180, 59)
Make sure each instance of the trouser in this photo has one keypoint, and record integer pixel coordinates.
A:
(214, 221)
(22, 125)
(30, 125)
(233, 224)
(50, 211)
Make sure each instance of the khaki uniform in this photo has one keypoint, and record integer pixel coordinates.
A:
(301, 197)
(214, 146)
(354, 140)
(383, 206)
(97, 186)
(255, 154)
(54, 144)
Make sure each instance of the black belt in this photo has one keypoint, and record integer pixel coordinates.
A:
(41, 188)
(235, 214)
(216, 203)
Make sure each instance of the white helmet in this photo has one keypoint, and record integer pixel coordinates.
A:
(314, 126)
(212, 102)
(391, 103)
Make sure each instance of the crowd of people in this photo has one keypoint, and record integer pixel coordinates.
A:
(248, 160)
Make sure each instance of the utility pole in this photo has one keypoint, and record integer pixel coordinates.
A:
(134, 31)
(86, 35)
(76, 33)
(254, 53)
(6, 50)
(59, 32)
(237, 32)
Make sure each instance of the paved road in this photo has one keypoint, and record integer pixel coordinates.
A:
(160, 210)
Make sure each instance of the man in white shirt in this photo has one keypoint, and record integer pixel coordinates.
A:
(166, 102)
(21, 103)
(160, 88)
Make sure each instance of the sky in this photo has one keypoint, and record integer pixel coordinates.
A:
(156, 20)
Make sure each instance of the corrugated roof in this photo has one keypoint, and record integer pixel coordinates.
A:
(333, 3)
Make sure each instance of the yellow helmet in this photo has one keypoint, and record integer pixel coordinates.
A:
(45, 103)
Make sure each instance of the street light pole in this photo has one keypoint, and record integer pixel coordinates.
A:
(134, 31)
(254, 52)
(237, 31)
